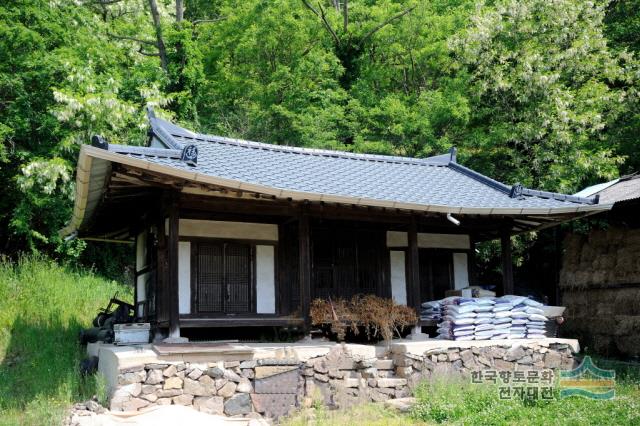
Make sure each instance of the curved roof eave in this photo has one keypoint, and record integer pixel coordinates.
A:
(89, 153)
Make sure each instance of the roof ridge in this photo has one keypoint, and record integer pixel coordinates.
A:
(163, 127)
(320, 152)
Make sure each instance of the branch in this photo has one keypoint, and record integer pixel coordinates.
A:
(121, 37)
(205, 21)
(384, 24)
(322, 16)
(142, 52)
(308, 49)
(103, 2)
(326, 24)
(162, 50)
(306, 3)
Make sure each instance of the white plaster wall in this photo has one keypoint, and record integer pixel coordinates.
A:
(265, 280)
(224, 229)
(460, 270)
(397, 239)
(398, 276)
(184, 277)
(449, 241)
(429, 240)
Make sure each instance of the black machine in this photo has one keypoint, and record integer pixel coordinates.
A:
(116, 312)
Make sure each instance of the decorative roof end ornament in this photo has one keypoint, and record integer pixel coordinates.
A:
(517, 191)
(99, 142)
(150, 113)
(190, 155)
(452, 154)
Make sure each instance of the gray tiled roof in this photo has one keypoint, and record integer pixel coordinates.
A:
(436, 181)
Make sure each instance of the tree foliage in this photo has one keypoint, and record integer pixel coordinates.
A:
(533, 91)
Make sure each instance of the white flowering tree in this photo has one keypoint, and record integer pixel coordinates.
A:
(544, 87)
(87, 104)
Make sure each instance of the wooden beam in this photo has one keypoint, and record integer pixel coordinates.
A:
(507, 263)
(304, 240)
(107, 240)
(413, 283)
(242, 321)
(174, 218)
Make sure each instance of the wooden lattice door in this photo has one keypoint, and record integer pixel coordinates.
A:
(224, 278)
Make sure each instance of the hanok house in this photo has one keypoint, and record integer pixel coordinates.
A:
(600, 276)
(236, 233)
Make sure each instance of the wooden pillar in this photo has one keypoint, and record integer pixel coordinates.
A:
(161, 275)
(557, 261)
(471, 262)
(413, 283)
(304, 241)
(173, 296)
(507, 263)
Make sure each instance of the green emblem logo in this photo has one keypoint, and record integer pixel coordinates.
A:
(588, 381)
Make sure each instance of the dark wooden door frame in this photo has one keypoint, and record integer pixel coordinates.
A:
(195, 243)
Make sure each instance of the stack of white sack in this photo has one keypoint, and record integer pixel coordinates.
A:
(467, 318)
(431, 311)
(484, 318)
(527, 318)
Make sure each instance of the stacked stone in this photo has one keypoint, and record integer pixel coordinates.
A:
(447, 362)
(338, 378)
(220, 388)
(342, 380)
(83, 413)
(228, 387)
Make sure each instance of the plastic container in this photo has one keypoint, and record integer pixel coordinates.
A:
(131, 334)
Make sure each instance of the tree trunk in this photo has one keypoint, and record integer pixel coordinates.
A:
(345, 16)
(179, 11)
(162, 50)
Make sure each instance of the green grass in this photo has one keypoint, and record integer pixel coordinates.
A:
(42, 308)
(360, 415)
(44, 305)
(460, 403)
(465, 404)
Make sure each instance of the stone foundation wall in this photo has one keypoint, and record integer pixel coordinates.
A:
(273, 387)
(600, 283)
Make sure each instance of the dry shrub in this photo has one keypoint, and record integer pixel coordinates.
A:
(380, 317)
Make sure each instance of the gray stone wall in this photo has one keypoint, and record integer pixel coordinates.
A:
(273, 387)
(600, 283)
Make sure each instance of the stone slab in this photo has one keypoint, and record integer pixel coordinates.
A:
(419, 348)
